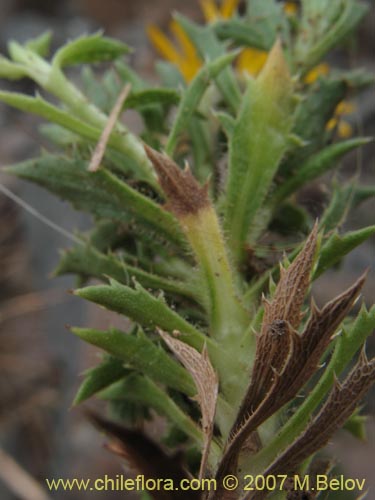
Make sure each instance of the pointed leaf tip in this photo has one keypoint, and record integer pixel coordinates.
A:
(184, 194)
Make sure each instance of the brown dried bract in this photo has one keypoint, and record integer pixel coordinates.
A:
(292, 287)
(185, 196)
(339, 406)
(207, 383)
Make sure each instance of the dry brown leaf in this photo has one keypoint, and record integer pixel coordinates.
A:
(184, 194)
(292, 287)
(207, 383)
(97, 157)
(340, 404)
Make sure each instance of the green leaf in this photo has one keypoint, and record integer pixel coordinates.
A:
(317, 165)
(96, 379)
(210, 48)
(227, 122)
(86, 260)
(41, 44)
(100, 193)
(290, 219)
(96, 92)
(122, 142)
(244, 33)
(269, 18)
(169, 75)
(140, 353)
(152, 96)
(141, 389)
(59, 135)
(323, 26)
(143, 308)
(356, 425)
(362, 194)
(89, 49)
(310, 125)
(128, 75)
(336, 212)
(336, 247)
(11, 70)
(259, 141)
(192, 97)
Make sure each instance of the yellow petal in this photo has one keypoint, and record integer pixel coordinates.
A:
(331, 124)
(290, 8)
(163, 45)
(344, 130)
(319, 70)
(251, 60)
(228, 8)
(210, 11)
(186, 45)
(189, 69)
(345, 108)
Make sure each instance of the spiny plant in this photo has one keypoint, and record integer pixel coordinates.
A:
(190, 220)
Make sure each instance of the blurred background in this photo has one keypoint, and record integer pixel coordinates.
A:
(40, 360)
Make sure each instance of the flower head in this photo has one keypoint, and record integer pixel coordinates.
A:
(184, 56)
(344, 129)
(212, 12)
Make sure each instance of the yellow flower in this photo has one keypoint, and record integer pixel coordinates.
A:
(185, 57)
(319, 70)
(344, 129)
(291, 8)
(251, 60)
(212, 12)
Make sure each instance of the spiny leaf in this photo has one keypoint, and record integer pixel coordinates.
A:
(89, 49)
(149, 97)
(11, 70)
(323, 26)
(207, 383)
(142, 307)
(339, 406)
(348, 344)
(210, 48)
(336, 247)
(86, 260)
(243, 33)
(341, 201)
(317, 165)
(292, 287)
(41, 44)
(100, 193)
(257, 145)
(227, 123)
(119, 142)
(193, 95)
(363, 193)
(96, 379)
(268, 18)
(101, 146)
(309, 125)
(140, 353)
(294, 363)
